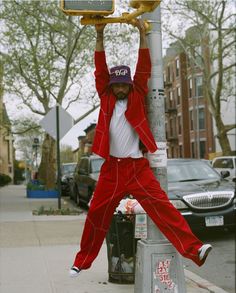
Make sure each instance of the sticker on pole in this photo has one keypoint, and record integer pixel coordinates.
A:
(141, 226)
(159, 158)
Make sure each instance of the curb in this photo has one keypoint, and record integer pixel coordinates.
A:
(202, 283)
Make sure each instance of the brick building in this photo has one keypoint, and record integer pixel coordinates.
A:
(86, 141)
(6, 138)
(189, 129)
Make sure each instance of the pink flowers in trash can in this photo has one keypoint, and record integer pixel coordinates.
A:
(130, 206)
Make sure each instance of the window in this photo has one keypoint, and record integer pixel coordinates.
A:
(181, 151)
(202, 149)
(171, 127)
(201, 118)
(198, 86)
(171, 100)
(165, 99)
(223, 163)
(96, 165)
(193, 149)
(190, 87)
(164, 76)
(191, 119)
(179, 125)
(168, 74)
(178, 95)
(177, 67)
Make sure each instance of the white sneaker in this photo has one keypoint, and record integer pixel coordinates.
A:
(74, 272)
(204, 251)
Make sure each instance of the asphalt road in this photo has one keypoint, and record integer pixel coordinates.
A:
(219, 268)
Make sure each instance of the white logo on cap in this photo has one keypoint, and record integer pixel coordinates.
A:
(121, 72)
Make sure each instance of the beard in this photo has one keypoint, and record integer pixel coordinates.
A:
(121, 96)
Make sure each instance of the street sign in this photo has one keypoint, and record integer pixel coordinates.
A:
(49, 124)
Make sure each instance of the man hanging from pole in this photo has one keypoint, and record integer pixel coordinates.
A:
(122, 137)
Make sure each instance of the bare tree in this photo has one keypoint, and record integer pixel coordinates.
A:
(212, 29)
(26, 129)
(46, 56)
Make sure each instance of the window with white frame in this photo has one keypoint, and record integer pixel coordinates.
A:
(178, 95)
(177, 67)
(190, 87)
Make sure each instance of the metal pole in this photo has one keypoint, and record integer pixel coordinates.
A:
(58, 158)
(158, 265)
(198, 133)
(36, 156)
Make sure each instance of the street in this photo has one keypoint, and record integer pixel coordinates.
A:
(219, 268)
(41, 249)
(220, 265)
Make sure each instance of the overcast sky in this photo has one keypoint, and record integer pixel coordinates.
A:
(78, 109)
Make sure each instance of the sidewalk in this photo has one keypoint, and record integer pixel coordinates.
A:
(36, 252)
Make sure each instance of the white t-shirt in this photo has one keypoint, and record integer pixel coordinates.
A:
(124, 141)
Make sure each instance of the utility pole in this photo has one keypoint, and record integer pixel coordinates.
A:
(159, 266)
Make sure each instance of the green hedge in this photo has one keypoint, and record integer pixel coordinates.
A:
(35, 185)
(4, 179)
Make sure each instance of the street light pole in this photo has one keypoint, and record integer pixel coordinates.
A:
(158, 265)
(58, 156)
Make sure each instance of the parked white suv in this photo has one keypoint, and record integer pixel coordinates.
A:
(226, 163)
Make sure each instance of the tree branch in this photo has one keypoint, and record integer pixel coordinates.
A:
(86, 114)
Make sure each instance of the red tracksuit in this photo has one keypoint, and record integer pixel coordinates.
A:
(122, 176)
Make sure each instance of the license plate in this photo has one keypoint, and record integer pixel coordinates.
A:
(214, 221)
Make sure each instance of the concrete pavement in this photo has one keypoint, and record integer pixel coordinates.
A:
(36, 252)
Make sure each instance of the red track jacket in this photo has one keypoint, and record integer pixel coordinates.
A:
(135, 112)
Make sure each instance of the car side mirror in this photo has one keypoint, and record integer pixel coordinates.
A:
(225, 174)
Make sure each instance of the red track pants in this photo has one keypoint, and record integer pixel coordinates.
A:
(120, 177)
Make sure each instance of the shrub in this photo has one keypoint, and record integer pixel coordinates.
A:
(36, 184)
(4, 179)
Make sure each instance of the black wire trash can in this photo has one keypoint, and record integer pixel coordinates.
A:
(121, 249)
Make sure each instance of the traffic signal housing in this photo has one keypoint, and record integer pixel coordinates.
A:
(88, 7)
(147, 5)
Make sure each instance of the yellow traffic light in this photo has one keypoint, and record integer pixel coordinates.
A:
(146, 5)
(88, 7)
(21, 165)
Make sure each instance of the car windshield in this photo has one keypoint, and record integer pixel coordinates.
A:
(68, 168)
(96, 165)
(178, 171)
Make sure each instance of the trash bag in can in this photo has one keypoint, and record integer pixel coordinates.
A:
(121, 249)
